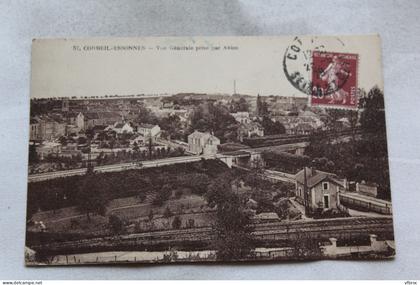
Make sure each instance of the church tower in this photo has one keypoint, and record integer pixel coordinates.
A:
(65, 105)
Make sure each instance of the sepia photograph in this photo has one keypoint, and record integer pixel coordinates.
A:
(207, 149)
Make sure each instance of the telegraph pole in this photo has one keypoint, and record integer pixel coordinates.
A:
(305, 192)
(89, 162)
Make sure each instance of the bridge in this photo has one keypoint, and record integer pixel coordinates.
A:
(247, 156)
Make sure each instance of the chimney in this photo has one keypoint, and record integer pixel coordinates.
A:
(310, 171)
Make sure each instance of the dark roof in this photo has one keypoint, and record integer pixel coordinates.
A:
(250, 126)
(313, 177)
(91, 116)
(119, 125)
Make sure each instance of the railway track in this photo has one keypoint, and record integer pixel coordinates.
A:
(321, 229)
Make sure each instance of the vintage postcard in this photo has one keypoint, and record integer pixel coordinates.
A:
(199, 149)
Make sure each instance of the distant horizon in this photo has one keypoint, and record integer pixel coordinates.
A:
(108, 96)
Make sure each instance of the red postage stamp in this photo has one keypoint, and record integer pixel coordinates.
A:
(334, 79)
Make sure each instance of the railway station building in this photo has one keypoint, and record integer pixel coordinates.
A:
(323, 189)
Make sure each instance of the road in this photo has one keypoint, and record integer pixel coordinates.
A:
(116, 167)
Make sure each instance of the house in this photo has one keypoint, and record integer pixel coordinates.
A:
(322, 189)
(70, 150)
(250, 129)
(241, 117)
(48, 148)
(303, 129)
(34, 131)
(149, 130)
(89, 120)
(108, 118)
(46, 128)
(202, 143)
(121, 128)
(139, 140)
(70, 117)
(80, 121)
(167, 105)
(71, 129)
(299, 125)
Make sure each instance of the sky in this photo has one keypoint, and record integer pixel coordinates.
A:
(125, 66)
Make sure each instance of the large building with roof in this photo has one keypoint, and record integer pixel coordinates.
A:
(149, 130)
(202, 143)
(323, 189)
(88, 120)
(46, 128)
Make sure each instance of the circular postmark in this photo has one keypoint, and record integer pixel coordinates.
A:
(298, 63)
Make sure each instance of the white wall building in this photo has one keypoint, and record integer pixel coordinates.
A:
(202, 143)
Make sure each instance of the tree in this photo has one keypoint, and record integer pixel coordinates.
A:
(62, 140)
(92, 195)
(190, 223)
(254, 178)
(272, 128)
(212, 118)
(176, 223)
(116, 224)
(150, 147)
(373, 114)
(150, 215)
(167, 213)
(197, 182)
(172, 126)
(233, 241)
(163, 195)
(287, 162)
(33, 155)
(145, 116)
(240, 105)
(243, 105)
(136, 148)
(262, 107)
(82, 140)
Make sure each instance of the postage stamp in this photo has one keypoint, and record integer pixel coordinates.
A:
(334, 79)
(321, 71)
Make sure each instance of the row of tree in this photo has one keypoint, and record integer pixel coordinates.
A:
(365, 156)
